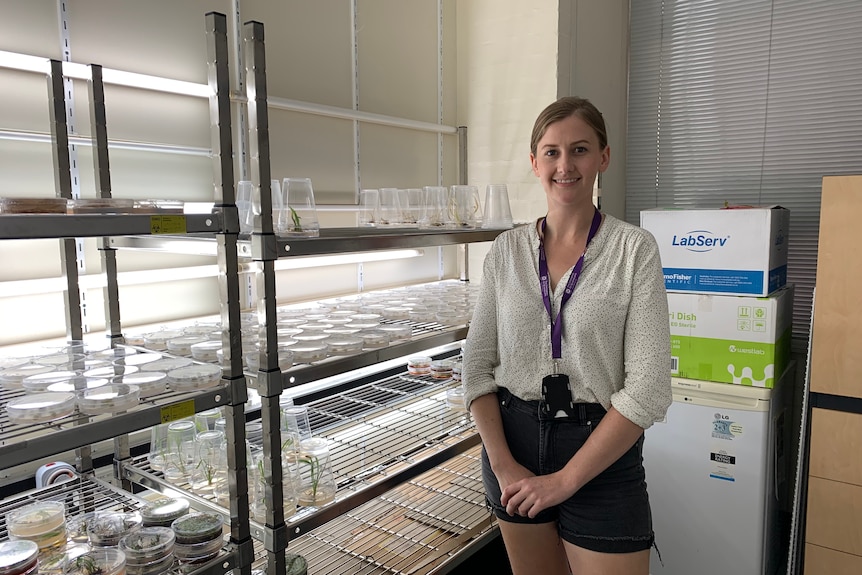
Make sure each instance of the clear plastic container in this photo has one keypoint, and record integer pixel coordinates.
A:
(397, 332)
(111, 371)
(78, 385)
(183, 345)
(12, 362)
(33, 205)
(43, 522)
(315, 326)
(373, 339)
(18, 557)
(455, 399)
(419, 365)
(206, 350)
(397, 312)
(343, 345)
(99, 206)
(148, 546)
(114, 353)
(158, 340)
(285, 359)
(149, 383)
(441, 369)
(101, 561)
(192, 377)
(311, 337)
(14, 377)
(40, 382)
(106, 528)
(40, 407)
(196, 528)
(109, 399)
(317, 483)
(167, 364)
(452, 317)
(309, 352)
(139, 359)
(364, 320)
(456, 370)
(163, 512)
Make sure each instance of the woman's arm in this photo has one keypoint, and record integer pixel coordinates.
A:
(613, 436)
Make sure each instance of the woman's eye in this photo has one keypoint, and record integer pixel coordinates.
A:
(551, 153)
(580, 150)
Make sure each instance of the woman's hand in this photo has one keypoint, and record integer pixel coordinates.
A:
(531, 494)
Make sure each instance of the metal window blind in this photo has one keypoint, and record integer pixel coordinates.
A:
(746, 102)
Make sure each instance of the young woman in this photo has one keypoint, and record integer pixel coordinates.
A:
(566, 362)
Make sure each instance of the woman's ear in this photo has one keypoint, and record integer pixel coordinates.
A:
(534, 165)
(606, 159)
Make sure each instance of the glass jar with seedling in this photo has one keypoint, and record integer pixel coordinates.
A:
(317, 484)
(180, 458)
(211, 466)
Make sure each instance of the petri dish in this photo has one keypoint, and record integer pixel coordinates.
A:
(206, 350)
(419, 365)
(192, 377)
(148, 382)
(343, 345)
(343, 330)
(315, 326)
(103, 560)
(13, 362)
(204, 329)
(373, 339)
(183, 345)
(43, 522)
(112, 371)
(441, 369)
(138, 359)
(78, 385)
(197, 528)
(106, 528)
(41, 407)
(309, 352)
(162, 512)
(33, 205)
(399, 312)
(311, 337)
(167, 364)
(452, 317)
(99, 206)
(397, 332)
(285, 358)
(147, 545)
(18, 557)
(109, 399)
(114, 353)
(40, 382)
(13, 378)
(158, 340)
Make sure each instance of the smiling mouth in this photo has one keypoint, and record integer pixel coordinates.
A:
(566, 180)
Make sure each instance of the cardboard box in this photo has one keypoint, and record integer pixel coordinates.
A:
(721, 251)
(731, 339)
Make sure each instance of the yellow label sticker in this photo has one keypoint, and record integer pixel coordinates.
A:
(167, 224)
(177, 411)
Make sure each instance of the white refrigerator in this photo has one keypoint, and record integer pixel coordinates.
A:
(715, 469)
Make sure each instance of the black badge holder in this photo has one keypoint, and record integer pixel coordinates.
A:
(557, 396)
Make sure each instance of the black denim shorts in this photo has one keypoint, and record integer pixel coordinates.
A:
(611, 513)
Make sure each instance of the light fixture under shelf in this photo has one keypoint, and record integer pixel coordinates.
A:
(19, 288)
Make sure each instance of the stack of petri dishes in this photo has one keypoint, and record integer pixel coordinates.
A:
(43, 523)
(149, 551)
(199, 537)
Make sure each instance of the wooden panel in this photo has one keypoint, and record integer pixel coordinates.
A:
(836, 352)
(834, 510)
(836, 441)
(821, 561)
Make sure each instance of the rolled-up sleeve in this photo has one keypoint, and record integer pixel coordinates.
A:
(646, 395)
(481, 352)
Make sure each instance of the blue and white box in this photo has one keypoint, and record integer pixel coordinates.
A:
(721, 250)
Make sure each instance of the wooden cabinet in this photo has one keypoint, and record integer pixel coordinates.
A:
(833, 528)
(836, 347)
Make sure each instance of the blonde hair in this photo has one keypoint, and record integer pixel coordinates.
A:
(562, 109)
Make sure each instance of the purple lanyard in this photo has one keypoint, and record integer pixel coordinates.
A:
(544, 280)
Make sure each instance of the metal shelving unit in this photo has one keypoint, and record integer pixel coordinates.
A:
(383, 436)
(25, 443)
(85, 494)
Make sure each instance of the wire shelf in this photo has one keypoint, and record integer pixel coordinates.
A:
(85, 494)
(416, 528)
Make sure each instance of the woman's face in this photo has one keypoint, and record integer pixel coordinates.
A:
(568, 159)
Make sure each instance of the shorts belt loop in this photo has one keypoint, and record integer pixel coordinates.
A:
(582, 413)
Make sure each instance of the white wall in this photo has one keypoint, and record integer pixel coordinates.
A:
(396, 72)
(515, 58)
